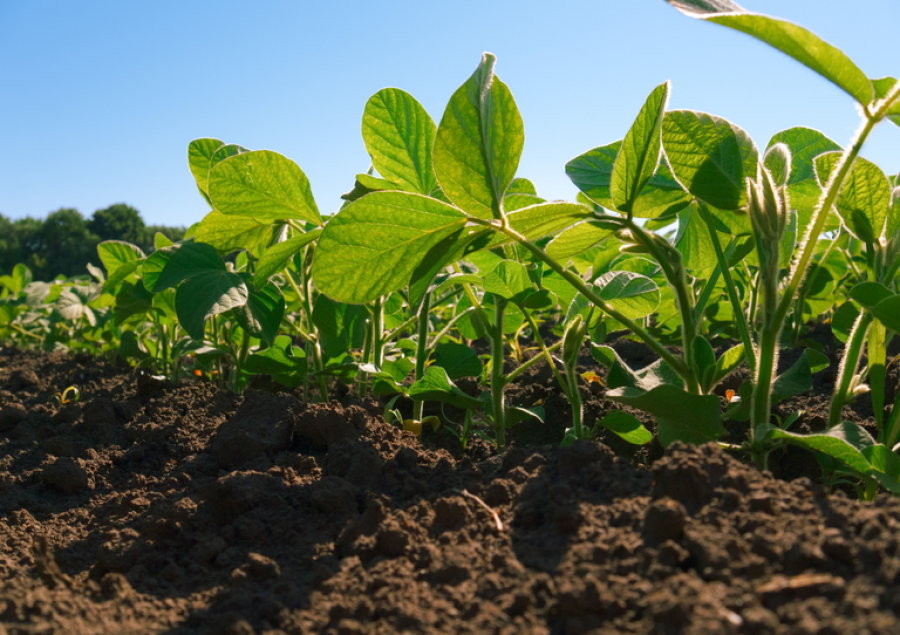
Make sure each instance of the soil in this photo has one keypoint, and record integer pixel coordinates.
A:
(152, 508)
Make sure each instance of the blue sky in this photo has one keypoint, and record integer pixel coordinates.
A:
(100, 99)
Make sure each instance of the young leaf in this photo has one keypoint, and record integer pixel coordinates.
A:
(170, 266)
(792, 40)
(263, 185)
(727, 362)
(233, 233)
(399, 136)
(200, 153)
(509, 280)
(626, 426)
(207, 294)
(261, 315)
(458, 360)
(373, 246)
(622, 376)
(633, 295)
(869, 294)
(710, 157)
(435, 385)
(639, 155)
(864, 199)
(845, 442)
(797, 379)
(577, 239)
(276, 257)
(680, 416)
(479, 142)
(778, 162)
(888, 313)
(521, 186)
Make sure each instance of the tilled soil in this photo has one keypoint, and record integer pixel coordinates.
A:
(150, 508)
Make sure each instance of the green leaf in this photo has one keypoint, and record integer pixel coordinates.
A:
(882, 87)
(865, 196)
(117, 253)
(200, 153)
(792, 40)
(694, 243)
(233, 233)
(286, 363)
(521, 186)
(207, 294)
(479, 142)
(169, 266)
(710, 157)
(341, 326)
(577, 239)
(892, 229)
(704, 361)
(514, 415)
(777, 161)
(263, 185)
(727, 362)
(843, 320)
(261, 315)
(626, 426)
(435, 385)
(276, 257)
(633, 295)
(639, 155)
(622, 376)
(458, 360)
(797, 379)
(845, 442)
(509, 280)
(680, 416)
(373, 246)
(592, 172)
(888, 313)
(399, 136)
(869, 294)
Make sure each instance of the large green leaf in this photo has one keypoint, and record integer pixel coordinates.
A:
(373, 246)
(207, 294)
(458, 360)
(277, 256)
(399, 136)
(118, 253)
(865, 196)
(232, 233)
(626, 426)
(541, 219)
(888, 313)
(509, 279)
(639, 155)
(262, 313)
(435, 385)
(622, 376)
(792, 40)
(200, 152)
(577, 239)
(479, 143)
(797, 379)
(711, 157)
(633, 295)
(263, 185)
(592, 172)
(341, 326)
(846, 442)
(170, 266)
(680, 416)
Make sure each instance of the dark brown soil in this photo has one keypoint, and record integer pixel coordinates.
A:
(149, 508)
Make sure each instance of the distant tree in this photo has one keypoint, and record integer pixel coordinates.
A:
(64, 245)
(118, 222)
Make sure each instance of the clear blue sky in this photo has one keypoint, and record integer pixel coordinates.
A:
(98, 100)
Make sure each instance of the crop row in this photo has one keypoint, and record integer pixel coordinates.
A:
(683, 232)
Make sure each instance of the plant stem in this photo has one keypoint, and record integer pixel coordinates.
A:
(448, 327)
(497, 377)
(850, 361)
(761, 403)
(422, 351)
(736, 308)
(677, 365)
(574, 396)
(540, 340)
(306, 303)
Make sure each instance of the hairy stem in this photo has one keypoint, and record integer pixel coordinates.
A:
(422, 351)
(848, 366)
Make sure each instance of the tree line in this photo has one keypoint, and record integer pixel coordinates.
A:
(65, 241)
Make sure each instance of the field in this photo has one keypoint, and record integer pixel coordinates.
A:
(454, 406)
(151, 508)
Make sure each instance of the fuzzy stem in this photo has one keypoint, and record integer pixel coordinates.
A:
(540, 340)
(422, 351)
(534, 360)
(497, 377)
(848, 366)
(575, 399)
(736, 308)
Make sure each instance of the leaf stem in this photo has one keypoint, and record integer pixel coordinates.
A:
(848, 366)
(540, 340)
(497, 377)
(422, 351)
